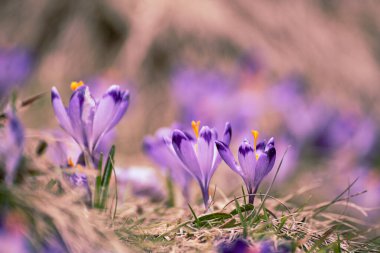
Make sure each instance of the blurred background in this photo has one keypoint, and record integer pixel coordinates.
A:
(305, 73)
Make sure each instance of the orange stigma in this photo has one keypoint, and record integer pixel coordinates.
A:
(195, 126)
(75, 85)
(70, 162)
(255, 137)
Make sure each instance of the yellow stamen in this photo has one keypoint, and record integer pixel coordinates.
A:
(195, 126)
(75, 85)
(70, 162)
(255, 137)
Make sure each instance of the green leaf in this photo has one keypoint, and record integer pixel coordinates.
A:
(195, 216)
(169, 185)
(108, 168)
(282, 223)
(100, 164)
(214, 216)
(229, 224)
(242, 220)
(105, 182)
(243, 208)
(98, 191)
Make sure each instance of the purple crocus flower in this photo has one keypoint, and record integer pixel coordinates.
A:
(15, 67)
(255, 162)
(142, 181)
(160, 149)
(11, 146)
(238, 245)
(86, 119)
(200, 156)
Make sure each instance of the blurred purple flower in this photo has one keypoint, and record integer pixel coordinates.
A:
(160, 149)
(255, 162)
(206, 88)
(238, 245)
(191, 85)
(86, 119)
(200, 156)
(15, 67)
(11, 145)
(347, 130)
(62, 150)
(142, 181)
(79, 180)
(302, 117)
(13, 241)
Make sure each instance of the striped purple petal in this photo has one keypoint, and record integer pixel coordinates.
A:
(226, 139)
(160, 149)
(264, 165)
(60, 111)
(185, 151)
(122, 102)
(205, 152)
(227, 134)
(74, 112)
(228, 158)
(247, 161)
(110, 110)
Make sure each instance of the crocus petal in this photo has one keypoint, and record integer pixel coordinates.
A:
(60, 110)
(228, 158)
(247, 160)
(270, 142)
(261, 169)
(104, 113)
(161, 151)
(87, 117)
(226, 139)
(260, 148)
(121, 110)
(157, 151)
(185, 151)
(206, 151)
(75, 113)
(264, 165)
(272, 158)
(227, 134)
(110, 110)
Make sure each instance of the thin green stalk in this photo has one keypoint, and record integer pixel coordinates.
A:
(170, 188)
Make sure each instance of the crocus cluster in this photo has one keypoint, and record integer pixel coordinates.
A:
(87, 119)
(201, 154)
